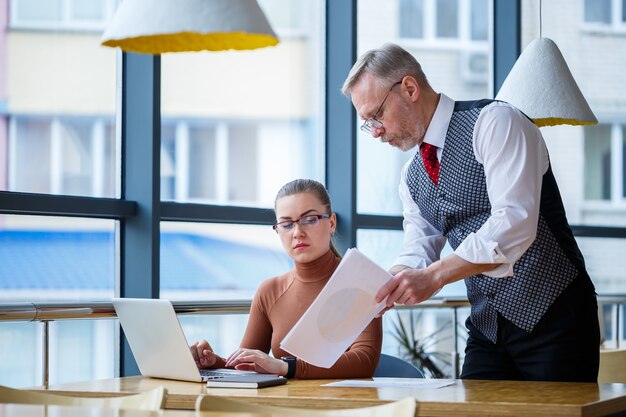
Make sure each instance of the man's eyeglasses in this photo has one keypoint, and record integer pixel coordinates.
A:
(373, 122)
(304, 221)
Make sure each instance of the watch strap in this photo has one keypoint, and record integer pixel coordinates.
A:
(291, 366)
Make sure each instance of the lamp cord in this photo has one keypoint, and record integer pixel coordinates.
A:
(540, 23)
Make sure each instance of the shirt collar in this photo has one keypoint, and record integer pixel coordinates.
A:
(438, 127)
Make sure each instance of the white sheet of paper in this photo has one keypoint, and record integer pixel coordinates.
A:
(341, 311)
(394, 382)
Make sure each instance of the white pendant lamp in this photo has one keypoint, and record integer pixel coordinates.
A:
(541, 85)
(156, 27)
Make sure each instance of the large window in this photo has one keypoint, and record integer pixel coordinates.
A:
(450, 40)
(588, 162)
(62, 155)
(235, 126)
(57, 122)
(57, 137)
(56, 258)
(238, 125)
(452, 68)
(45, 259)
(443, 19)
(218, 261)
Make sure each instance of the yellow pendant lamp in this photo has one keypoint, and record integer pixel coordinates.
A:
(156, 27)
(541, 85)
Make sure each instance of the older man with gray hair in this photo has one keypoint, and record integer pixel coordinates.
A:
(481, 180)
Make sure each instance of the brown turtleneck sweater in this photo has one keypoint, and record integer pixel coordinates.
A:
(280, 302)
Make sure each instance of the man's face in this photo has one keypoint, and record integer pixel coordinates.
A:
(388, 112)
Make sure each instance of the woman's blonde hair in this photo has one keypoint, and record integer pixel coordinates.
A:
(300, 186)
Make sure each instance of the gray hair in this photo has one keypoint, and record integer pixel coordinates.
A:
(300, 186)
(389, 64)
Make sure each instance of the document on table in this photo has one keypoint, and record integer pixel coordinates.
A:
(342, 310)
(394, 383)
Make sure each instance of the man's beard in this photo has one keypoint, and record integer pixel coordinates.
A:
(409, 138)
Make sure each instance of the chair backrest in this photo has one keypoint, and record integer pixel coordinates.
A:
(401, 408)
(612, 366)
(390, 366)
(149, 400)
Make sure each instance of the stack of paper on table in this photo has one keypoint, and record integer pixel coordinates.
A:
(342, 310)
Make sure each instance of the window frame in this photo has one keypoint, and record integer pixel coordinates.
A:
(617, 198)
(616, 25)
(430, 39)
(66, 22)
(57, 174)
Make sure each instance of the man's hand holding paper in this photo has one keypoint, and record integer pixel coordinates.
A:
(409, 286)
(342, 310)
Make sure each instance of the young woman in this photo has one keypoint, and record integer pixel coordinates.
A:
(305, 224)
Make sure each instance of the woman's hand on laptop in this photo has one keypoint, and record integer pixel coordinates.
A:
(202, 353)
(256, 360)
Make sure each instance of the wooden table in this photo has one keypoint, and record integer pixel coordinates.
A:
(462, 398)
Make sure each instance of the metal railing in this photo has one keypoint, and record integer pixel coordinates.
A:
(45, 312)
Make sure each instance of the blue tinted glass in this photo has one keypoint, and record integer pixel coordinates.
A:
(598, 162)
(20, 362)
(56, 258)
(447, 19)
(213, 261)
(598, 11)
(411, 23)
(479, 25)
(624, 161)
(38, 11)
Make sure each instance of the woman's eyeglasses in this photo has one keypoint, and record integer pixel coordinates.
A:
(304, 221)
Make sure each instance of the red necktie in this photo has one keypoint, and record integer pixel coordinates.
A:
(431, 163)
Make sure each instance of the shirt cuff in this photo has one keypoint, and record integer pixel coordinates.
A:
(477, 250)
(410, 261)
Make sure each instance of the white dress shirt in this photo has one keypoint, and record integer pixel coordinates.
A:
(514, 156)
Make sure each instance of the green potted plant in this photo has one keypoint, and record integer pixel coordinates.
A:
(418, 350)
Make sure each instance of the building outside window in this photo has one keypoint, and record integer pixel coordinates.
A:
(226, 121)
(588, 162)
(62, 155)
(62, 15)
(449, 39)
(605, 15)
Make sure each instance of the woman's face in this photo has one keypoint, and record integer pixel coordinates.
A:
(309, 242)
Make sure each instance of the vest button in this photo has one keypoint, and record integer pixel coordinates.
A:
(490, 296)
(442, 196)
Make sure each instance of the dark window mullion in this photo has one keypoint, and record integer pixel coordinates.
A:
(139, 236)
(341, 118)
(190, 212)
(369, 221)
(506, 39)
(60, 205)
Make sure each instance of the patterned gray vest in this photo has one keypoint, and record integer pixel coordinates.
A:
(459, 205)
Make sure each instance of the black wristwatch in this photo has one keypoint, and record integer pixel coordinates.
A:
(291, 366)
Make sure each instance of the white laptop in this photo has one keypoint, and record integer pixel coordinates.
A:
(160, 347)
